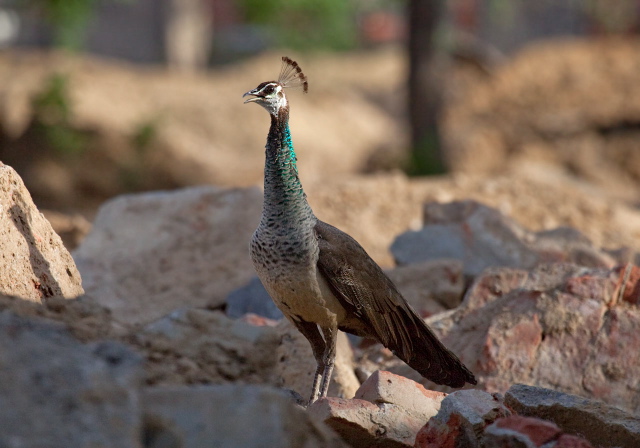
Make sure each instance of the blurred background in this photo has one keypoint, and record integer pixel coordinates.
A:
(104, 97)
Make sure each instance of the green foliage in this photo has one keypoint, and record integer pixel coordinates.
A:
(69, 18)
(53, 113)
(305, 24)
(144, 135)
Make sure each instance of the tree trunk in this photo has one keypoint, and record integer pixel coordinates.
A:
(425, 87)
(188, 35)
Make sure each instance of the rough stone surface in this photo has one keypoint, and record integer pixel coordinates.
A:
(363, 424)
(482, 237)
(559, 326)
(517, 431)
(192, 346)
(462, 418)
(56, 391)
(252, 298)
(432, 286)
(34, 265)
(385, 387)
(149, 254)
(296, 365)
(85, 320)
(229, 416)
(600, 424)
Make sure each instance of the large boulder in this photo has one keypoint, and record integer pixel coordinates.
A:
(35, 264)
(482, 237)
(56, 391)
(229, 416)
(149, 254)
(559, 326)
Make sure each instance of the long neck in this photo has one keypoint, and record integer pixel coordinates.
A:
(284, 199)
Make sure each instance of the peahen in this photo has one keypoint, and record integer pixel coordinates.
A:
(321, 278)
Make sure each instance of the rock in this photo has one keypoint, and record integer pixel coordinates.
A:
(385, 387)
(482, 237)
(35, 264)
(56, 391)
(252, 298)
(600, 424)
(388, 411)
(517, 431)
(85, 320)
(191, 346)
(462, 418)
(149, 254)
(296, 365)
(363, 424)
(559, 326)
(229, 416)
(432, 286)
(628, 284)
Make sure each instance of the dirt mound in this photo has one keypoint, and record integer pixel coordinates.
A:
(573, 104)
(80, 129)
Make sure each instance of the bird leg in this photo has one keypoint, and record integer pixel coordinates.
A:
(310, 331)
(329, 357)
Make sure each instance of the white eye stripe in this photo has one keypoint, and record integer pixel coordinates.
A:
(277, 88)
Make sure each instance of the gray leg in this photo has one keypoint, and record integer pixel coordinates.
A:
(318, 346)
(330, 339)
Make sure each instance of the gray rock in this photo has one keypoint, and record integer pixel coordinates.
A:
(482, 237)
(229, 416)
(34, 265)
(600, 424)
(462, 418)
(252, 298)
(431, 286)
(58, 392)
(148, 254)
(193, 345)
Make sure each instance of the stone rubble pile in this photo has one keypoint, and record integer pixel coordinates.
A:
(151, 357)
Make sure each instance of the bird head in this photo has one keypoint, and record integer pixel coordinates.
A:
(270, 94)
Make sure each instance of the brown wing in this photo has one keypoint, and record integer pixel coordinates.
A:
(376, 305)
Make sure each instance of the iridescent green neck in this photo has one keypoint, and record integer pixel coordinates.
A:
(283, 193)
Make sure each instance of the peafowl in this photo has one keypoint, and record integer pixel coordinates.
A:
(321, 278)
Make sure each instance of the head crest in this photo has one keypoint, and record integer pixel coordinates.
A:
(291, 75)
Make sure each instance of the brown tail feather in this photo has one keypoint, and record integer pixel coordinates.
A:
(429, 357)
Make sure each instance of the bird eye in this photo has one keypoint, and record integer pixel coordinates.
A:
(269, 89)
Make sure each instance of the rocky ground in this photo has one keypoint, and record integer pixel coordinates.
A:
(155, 333)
